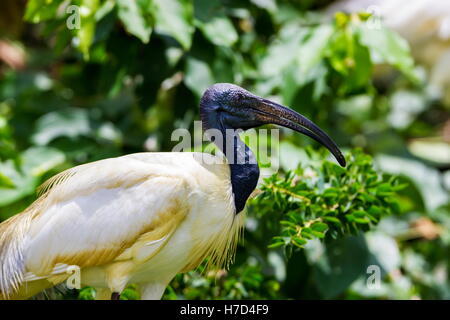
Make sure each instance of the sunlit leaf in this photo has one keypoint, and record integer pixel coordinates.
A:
(220, 31)
(198, 76)
(38, 160)
(65, 123)
(35, 162)
(5, 182)
(433, 149)
(41, 10)
(87, 25)
(175, 17)
(389, 47)
(133, 18)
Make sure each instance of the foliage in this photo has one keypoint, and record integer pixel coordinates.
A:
(243, 282)
(134, 71)
(326, 200)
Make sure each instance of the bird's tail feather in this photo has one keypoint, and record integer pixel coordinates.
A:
(12, 263)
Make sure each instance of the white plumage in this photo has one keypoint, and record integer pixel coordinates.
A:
(140, 218)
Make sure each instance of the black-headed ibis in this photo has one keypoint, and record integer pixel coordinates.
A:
(142, 218)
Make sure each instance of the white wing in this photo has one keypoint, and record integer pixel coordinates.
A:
(96, 211)
(114, 215)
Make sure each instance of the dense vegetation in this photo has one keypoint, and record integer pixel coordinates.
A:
(128, 73)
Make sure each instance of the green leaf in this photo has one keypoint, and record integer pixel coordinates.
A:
(435, 150)
(86, 293)
(367, 197)
(276, 245)
(287, 223)
(269, 5)
(198, 76)
(319, 227)
(425, 178)
(360, 73)
(38, 160)
(332, 219)
(359, 213)
(361, 220)
(338, 264)
(350, 217)
(307, 233)
(175, 18)
(319, 235)
(23, 185)
(40, 10)
(283, 52)
(104, 9)
(387, 46)
(330, 194)
(399, 187)
(135, 19)
(375, 211)
(334, 169)
(219, 30)
(300, 242)
(210, 18)
(313, 48)
(384, 187)
(34, 163)
(5, 182)
(87, 25)
(130, 293)
(69, 122)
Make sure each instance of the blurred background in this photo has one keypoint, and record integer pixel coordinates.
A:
(85, 80)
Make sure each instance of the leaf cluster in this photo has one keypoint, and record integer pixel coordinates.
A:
(326, 201)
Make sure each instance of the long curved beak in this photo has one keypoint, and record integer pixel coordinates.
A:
(270, 112)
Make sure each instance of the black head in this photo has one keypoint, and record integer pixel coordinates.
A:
(225, 105)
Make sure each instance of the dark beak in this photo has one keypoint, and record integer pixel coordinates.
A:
(269, 112)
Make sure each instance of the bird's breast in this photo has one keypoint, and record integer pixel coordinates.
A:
(210, 229)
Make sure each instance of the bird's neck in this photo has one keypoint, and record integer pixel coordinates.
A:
(244, 170)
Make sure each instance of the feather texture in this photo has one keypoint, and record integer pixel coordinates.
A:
(139, 218)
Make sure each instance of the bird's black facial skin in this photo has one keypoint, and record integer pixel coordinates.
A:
(240, 109)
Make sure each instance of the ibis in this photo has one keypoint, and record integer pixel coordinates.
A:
(144, 217)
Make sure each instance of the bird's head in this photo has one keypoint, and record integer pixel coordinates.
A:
(230, 106)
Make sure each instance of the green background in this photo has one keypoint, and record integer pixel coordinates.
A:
(134, 71)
